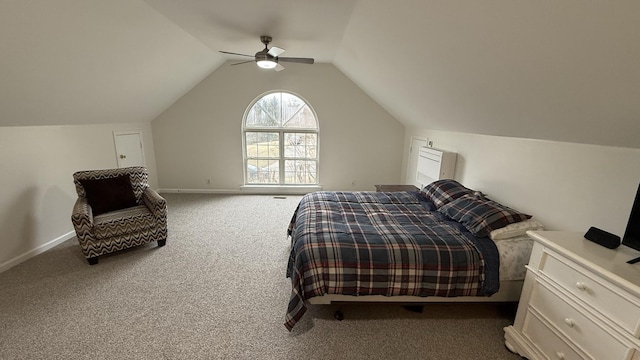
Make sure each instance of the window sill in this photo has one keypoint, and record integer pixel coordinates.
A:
(280, 189)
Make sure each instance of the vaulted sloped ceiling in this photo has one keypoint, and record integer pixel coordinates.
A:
(92, 61)
(305, 28)
(560, 70)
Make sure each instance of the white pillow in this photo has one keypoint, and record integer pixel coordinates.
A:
(515, 229)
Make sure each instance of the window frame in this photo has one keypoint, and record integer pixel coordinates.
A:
(281, 131)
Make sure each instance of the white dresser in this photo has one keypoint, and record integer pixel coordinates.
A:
(580, 300)
(434, 164)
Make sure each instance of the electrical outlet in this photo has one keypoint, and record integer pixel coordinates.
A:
(208, 181)
(430, 143)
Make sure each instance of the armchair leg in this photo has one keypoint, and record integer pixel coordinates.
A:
(92, 260)
(162, 243)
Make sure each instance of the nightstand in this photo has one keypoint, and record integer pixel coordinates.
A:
(395, 188)
(580, 300)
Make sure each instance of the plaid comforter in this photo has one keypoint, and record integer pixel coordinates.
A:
(377, 243)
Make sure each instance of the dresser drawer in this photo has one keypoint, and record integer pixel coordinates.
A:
(570, 320)
(547, 342)
(612, 303)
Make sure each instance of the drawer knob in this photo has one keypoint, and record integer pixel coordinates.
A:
(569, 321)
(560, 355)
(581, 286)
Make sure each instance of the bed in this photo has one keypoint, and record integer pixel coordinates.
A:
(444, 243)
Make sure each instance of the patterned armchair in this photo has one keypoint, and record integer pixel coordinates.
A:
(143, 221)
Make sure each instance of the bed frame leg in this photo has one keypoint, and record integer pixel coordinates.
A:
(414, 308)
(338, 315)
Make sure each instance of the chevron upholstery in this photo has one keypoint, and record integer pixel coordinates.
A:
(120, 229)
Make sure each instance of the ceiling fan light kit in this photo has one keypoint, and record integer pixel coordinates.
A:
(266, 64)
(269, 58)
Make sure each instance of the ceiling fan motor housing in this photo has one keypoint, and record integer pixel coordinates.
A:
(264, 55)
(265, 40)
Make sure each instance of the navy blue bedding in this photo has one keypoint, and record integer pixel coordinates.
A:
(376, 243)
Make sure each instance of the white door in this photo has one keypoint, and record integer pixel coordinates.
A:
(129, 150)
(412, 166)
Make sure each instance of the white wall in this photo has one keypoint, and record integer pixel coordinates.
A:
(199, 137)
(37, 186)
(566, 186)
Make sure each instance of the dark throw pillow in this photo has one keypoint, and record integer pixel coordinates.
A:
(480, 215)
(444, 191)
(110, 194)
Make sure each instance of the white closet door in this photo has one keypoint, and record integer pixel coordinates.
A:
(412, 165)
(129, 150)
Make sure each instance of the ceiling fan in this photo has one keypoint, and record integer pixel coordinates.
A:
(270, 58)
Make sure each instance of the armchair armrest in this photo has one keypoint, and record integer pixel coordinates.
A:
(156, 203)
(82, 218)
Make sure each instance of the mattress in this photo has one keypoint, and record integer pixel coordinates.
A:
(514, 255)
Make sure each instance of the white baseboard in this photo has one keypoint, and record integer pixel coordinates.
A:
(249, 190)
(198, 191)
(33, 252)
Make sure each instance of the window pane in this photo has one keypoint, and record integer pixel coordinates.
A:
(262, 144)
(291, 105)
(265, 112)
(268, 172)
(252, 172)
(258, 118)
(311, 145)
(263, 172)
(303, 118)
(300, 172)
(300, 145)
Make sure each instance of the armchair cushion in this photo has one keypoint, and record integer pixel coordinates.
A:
(109, 194)
(123, 221)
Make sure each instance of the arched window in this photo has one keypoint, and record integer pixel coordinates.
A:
(280, 135)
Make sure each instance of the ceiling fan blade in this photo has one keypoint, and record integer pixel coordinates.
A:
(297, 60)
(275, 51)
(231, 53)
(279, 67)
(244, 62)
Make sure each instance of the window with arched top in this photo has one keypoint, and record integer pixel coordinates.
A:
(280, 136)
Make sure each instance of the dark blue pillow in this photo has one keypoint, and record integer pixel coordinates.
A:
(480, 215)
(425, 201)
(444, 191)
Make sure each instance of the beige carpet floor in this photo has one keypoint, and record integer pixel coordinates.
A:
(217, 290)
